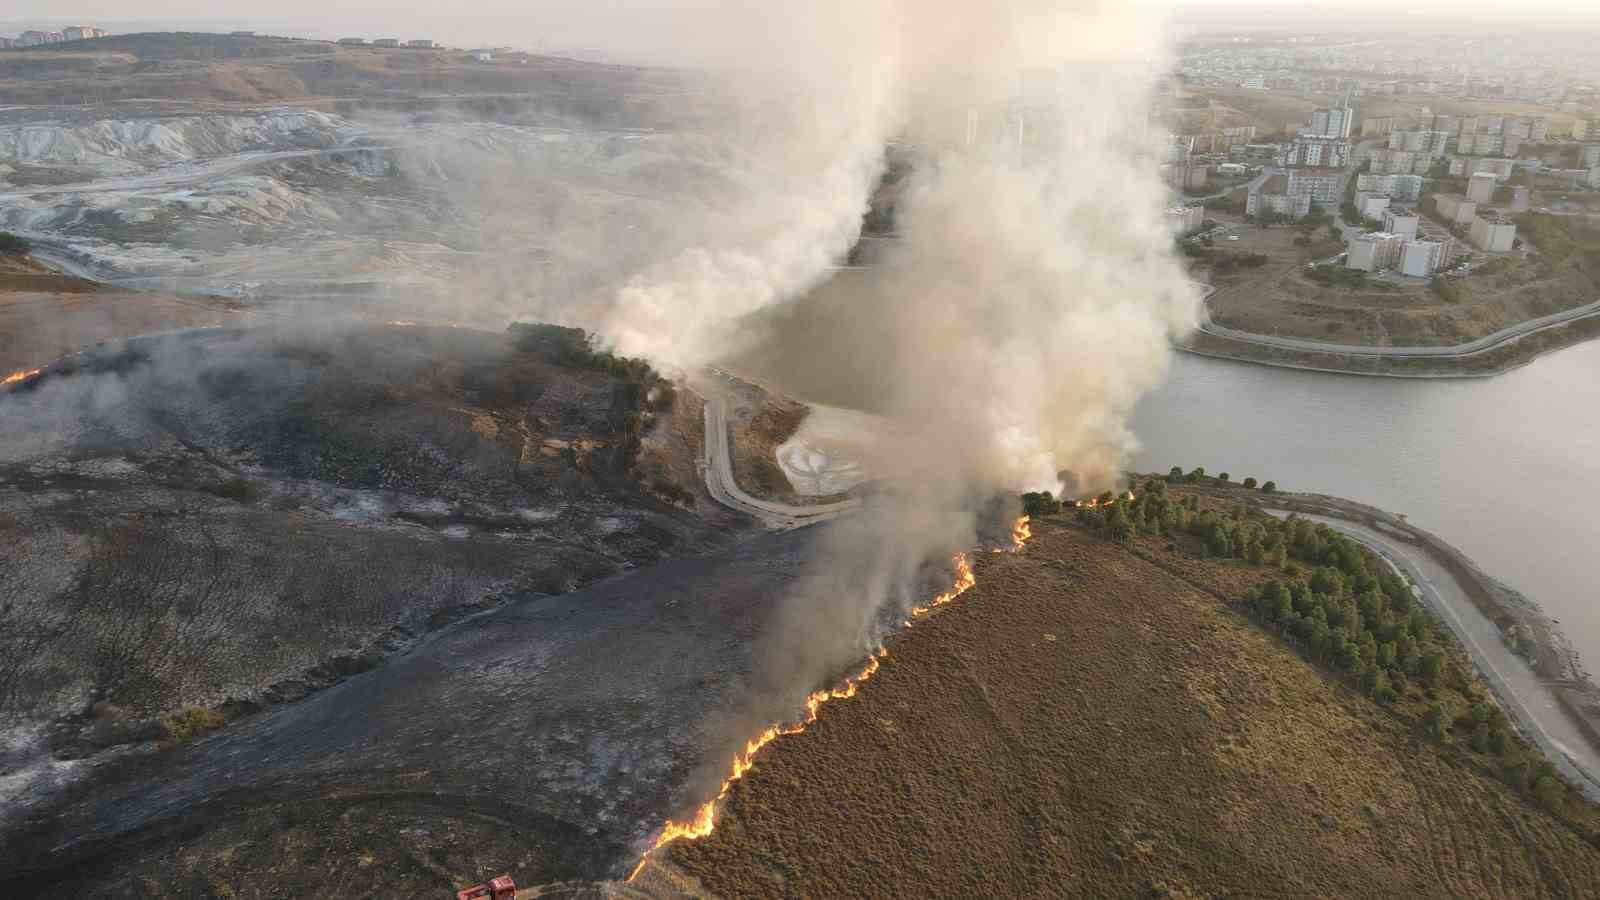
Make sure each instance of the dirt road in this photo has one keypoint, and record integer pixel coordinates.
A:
(725, 489)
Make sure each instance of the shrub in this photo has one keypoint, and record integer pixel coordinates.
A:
(239, 490)
(1269, 487)
(1040, 503)
(10, 243)
(192, 723)
(1250, 484)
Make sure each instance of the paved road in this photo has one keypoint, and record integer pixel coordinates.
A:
(725, 490)
(178, 176)
(1470, 348)
(1524, 696)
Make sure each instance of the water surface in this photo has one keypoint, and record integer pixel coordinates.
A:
(1507, 468)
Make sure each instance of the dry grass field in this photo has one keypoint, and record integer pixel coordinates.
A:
(45, 315)
(1085, 722)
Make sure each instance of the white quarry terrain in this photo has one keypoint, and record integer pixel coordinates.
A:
(120, 147)
(302, 204)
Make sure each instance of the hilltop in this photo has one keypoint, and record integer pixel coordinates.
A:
(1105, 719)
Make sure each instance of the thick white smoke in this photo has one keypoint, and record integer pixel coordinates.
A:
(1031, 297)
(1007, 333)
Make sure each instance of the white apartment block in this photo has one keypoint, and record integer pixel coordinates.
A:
(1480, 187)
(1466, 167)
(1184, 219)
(1421, 259)
(1321, 185)
(1493, 234)
(1371, 207)
(1374, 250)
(1403, 224)
(1399, 187)
(1457, 209)
(1429, 142)
(1315, 151)
(1331, 123)
(1400, 162)
(1273, 196)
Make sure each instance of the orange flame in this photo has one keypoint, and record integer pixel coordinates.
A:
(704, 820)
(1096, 503)
(1021, 534)
(19, 375)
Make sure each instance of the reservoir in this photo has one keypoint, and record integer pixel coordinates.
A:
(1507, 469)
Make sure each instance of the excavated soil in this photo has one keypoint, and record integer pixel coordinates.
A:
(1085, 723)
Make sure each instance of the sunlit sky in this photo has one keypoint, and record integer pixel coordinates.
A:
(622, 25)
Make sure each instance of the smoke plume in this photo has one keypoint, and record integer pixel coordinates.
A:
(1025, 305)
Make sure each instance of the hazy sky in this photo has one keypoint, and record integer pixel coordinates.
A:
(626, 25)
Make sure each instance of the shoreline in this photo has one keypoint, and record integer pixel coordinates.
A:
(1502, 357)
(1554, 662)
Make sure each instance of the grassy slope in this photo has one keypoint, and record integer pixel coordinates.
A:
(1160, 743)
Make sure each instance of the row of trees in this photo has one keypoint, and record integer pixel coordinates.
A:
(1198, 476)
(1345, 610)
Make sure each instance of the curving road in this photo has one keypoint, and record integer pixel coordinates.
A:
(1524, 696)
(725, 489)
(1470, 348)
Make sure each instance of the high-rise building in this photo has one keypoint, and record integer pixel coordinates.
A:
(1330, 123)
(1401, 223)
(1480, 187)
(1184, 219)
(1456, 209)
(1421, 259)
(1493, 233)
(1429, 142)
(1373, 251)
(1398, 187)
(1272, 195)
(1321, 185)
(1316, 151)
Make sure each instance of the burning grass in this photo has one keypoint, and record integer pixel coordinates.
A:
(1089, 723)
(703, 823)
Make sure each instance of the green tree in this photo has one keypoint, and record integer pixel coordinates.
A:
(1249, 484)
(1437, 721)
(1386, 653)
(1550, 792)
(1431, 666)
(1176, 474)
(1269, 487)
(1480, 738)
(1499, 741)
(12, 244)
(1223, 477)
(1118, 526)
(1198, 474)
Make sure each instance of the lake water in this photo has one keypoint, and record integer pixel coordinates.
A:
(1507, 468)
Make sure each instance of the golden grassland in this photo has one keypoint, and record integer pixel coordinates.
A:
(1096, 720)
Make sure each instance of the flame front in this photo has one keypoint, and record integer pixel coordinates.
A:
(19, 375)
(1097, 502)
(704, 820)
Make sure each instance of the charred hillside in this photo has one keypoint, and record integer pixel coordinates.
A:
(201, 524)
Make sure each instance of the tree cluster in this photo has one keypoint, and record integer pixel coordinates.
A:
(12, 244)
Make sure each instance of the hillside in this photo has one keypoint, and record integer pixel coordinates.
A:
(1103, 720)
(220, 68)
